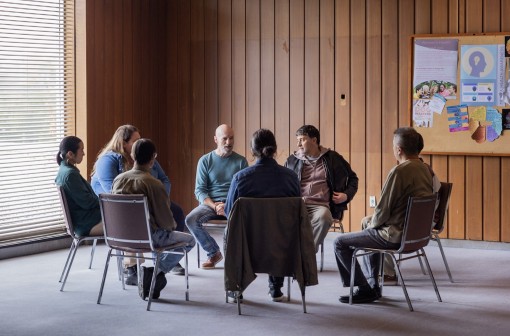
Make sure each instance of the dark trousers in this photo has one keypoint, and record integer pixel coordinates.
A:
(275, 282)
(344, 249)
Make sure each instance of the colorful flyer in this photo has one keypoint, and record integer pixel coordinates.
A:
(458, 118)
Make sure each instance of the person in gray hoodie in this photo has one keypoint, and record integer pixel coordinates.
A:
(327, 181)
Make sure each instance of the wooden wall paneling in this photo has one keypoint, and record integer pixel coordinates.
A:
(91, 147)
(491, 198)
(186, 182)
(456, 213)
(342, 78)
(474, 198)
(176, 164)
(239, 74)
(126, 53)
(252, 70)
(505, 209)
(389, 79)
(474, 17)
(422, 17)
(312, 63)
(282, 76)
(297, 72)
(158, 82)
(117, 57)
(225, 62)
(327, 73)
(211, 99)
(474, 167)
(453, 16)
(439, 17)
(491, 16)
(145, 52)
(97, 127)
(505, 16)
(110, 118)
(267, 64)
(342, 87)
(358, 110)
(406, 29)
(491, 182)
(505, 161)
(373, 92)
(197, 109)
(462, 15)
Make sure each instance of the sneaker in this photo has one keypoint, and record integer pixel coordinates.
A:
(390, 280)
(231, 296)
(131, 276)
(178, 270)
(159, 285)
(145, 281)
(276, 294)
(361, 296)
(212, 261)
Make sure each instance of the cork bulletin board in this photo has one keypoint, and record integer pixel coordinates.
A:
(460, 97)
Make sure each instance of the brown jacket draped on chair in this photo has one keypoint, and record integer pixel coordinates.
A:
(269, 235)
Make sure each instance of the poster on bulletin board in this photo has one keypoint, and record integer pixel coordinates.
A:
(460, 99)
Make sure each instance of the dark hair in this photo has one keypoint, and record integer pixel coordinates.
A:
(263, 143)
(143, 151)
(69, 143)
(409, 140)
(310, 131)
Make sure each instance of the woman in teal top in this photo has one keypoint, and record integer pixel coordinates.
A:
(82, 201)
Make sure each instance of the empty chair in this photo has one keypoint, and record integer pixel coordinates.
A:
(444, 199)
(127, 229)
(77, 240)
(269, 235)
(416, 235)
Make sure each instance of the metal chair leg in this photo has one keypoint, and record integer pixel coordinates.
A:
(402, 283)
(431, 275)
(444, 257)
(67, 260)
(92, 253)
(288, 288)
(322, 256)
(186, 273)
(104, 276)
(69, 266)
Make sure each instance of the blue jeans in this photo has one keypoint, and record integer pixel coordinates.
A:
(344, 249)
(194, 220)
(162, 237)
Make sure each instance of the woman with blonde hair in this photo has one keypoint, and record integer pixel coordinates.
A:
(115, 158)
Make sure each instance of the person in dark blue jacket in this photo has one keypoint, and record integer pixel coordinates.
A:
(266, 178)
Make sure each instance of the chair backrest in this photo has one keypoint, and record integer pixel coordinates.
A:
(126, 222)
(269, 235)
(418, 223)
(444, 199)
(65, 209)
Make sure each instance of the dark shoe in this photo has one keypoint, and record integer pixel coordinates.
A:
(231, 297)
(212, 261)
(145, 281)
(131, 276)
(159, 285)
(178, 270)
(378, 292)
(361, 296)
(276, 294)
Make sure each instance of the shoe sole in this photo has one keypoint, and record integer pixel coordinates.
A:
(277, 299)
(359, 301)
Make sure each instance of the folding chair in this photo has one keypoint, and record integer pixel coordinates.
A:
(127, 229)
(213, 223)
(269, 235)
(77, 240)
(417, 232)
(444, 199)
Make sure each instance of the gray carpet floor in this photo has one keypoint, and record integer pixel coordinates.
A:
(475, 304)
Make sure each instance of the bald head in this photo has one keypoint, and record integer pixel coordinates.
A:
(224, 139)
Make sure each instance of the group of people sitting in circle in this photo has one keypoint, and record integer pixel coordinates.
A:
(321, 176)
